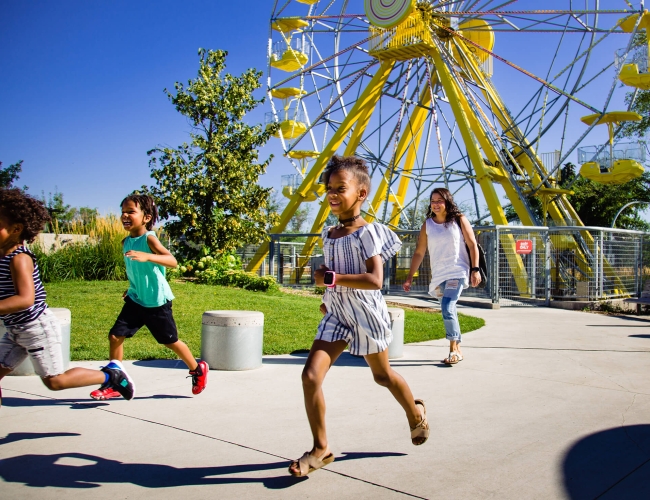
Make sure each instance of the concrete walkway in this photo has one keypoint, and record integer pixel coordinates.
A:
(547, 404)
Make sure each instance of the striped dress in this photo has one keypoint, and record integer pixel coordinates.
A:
(360, 317)
(7, 290)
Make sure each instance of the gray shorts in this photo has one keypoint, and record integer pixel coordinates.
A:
(40, 339)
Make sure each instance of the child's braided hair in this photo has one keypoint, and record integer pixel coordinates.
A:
(146, 204)
(20, 208)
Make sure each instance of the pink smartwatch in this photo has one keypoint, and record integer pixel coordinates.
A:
(329, 279)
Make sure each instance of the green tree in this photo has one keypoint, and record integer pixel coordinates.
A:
(298, 222)
(208, 188)
(597, 203)
(414, 215)
(273, 207)
(85, 215)
(60, 212)
(10, 174)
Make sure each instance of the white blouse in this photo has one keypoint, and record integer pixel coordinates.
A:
(447, 253)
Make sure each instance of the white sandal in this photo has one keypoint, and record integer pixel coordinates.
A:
(452, 358)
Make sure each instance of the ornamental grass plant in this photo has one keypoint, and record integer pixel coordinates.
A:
(98, 258)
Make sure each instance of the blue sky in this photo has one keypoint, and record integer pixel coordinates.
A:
(81, 86)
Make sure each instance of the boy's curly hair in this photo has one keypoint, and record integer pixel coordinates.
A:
(354, 165)
(146, 204)
(20, 208)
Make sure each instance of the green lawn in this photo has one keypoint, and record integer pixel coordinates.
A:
(290, 321)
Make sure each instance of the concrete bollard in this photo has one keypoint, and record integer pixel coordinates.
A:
(65, 319)
(232, 340)
(396, 347)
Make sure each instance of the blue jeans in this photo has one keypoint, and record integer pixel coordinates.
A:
(451, 290)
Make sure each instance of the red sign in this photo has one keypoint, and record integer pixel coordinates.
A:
(524, 246)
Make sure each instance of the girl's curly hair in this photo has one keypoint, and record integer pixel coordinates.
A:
(20, 208)
(146, 204)
(453, 212)
(356, 166)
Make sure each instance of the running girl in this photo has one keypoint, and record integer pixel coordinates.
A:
(148, 301)
(32, 329)
(355, 311)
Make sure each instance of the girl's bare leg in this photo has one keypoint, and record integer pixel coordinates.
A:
(385, 376)
(321, 357)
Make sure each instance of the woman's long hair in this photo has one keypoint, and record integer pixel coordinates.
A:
(453, 212)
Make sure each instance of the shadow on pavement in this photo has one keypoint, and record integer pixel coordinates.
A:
(614, 461)
(12, 437)
(640, 336)
(78, 470)
(74, 404)
(161, 363)
(299, 358)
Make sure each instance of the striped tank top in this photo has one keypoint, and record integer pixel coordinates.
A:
(7, 290)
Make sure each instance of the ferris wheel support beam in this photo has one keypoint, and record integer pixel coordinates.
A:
(406, 149)
(514, 133)
(498, 174)
(482, 176)
(553, 203)
(557, 205)
(324, 210)
(364, 106)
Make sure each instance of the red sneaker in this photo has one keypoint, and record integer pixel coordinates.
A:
(105, 392)
(199, 377)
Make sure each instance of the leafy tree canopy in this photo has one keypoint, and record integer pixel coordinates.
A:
(10, 174)
(208, 188)
(597, 204)
(64, 215)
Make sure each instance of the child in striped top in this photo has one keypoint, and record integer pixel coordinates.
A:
(31, 328)
(355, 313)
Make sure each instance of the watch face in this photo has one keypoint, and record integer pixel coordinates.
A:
(329, 278)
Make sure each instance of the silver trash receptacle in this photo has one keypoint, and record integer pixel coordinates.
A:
(396, 347)
(65, 320)
(232, 340)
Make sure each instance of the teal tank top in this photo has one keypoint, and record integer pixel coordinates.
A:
(147, 284)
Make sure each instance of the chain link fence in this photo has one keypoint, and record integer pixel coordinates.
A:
(527, 266)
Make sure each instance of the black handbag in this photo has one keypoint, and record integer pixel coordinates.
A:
(482, 263)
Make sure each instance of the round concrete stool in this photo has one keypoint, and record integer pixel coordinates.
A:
(232, 340)
(396, 347)
(64, 317)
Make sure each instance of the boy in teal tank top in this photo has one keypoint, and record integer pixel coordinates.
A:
(148, 301)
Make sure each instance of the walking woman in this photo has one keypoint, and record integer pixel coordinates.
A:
(445, 233)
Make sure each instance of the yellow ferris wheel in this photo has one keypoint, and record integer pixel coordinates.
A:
(413, 88)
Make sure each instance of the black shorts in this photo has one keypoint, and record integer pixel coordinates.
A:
(159, 320)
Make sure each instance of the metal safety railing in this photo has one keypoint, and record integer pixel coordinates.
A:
(526, 265)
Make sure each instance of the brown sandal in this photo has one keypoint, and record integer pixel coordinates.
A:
(421, 430)
(309, 463)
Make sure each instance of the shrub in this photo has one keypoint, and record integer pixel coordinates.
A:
(100, 258)
(238, 278)
(220, 263)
